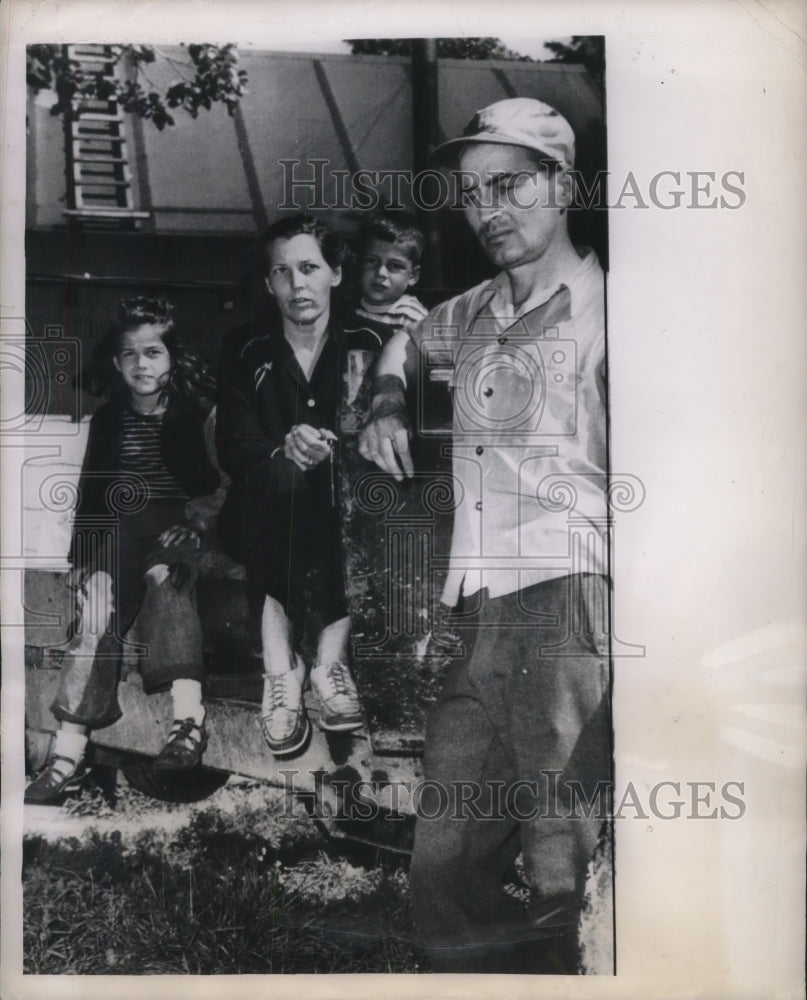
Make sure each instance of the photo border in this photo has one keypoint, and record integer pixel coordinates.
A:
(713, 430)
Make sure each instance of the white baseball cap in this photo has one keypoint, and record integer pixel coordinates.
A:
(518, 121)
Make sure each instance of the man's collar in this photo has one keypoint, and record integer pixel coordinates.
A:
(501, 298)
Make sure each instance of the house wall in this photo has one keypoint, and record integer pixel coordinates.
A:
(209, 184)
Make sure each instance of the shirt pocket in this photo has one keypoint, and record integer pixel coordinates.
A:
(562, 382)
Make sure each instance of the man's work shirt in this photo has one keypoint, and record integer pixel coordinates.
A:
(529, 430)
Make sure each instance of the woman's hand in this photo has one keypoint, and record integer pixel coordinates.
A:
(307, 447)
(178, 535)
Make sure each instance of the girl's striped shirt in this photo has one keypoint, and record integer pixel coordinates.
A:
(141, 454)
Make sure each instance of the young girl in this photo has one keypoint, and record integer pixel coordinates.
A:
(134, 538)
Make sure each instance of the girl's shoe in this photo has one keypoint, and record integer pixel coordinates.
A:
(183, 750)
(61, 775)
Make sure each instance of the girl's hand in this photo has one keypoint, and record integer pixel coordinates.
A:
(199, 520)
(306, 446)
(178, 535)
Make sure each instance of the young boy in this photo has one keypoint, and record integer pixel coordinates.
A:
(390, 247)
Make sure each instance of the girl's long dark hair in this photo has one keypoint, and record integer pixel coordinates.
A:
(189, 380)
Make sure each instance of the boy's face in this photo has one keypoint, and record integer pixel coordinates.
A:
(386, 272)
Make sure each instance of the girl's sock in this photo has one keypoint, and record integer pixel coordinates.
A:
(187, 695)
(71, 745)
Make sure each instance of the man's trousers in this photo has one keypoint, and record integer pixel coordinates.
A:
(517, 762)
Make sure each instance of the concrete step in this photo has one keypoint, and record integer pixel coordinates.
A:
(236, 743)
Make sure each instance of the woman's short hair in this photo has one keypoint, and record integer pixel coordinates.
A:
(331, 246)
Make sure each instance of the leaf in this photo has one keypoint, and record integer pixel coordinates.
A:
(216, 80)
(105, 88)
(176, 94)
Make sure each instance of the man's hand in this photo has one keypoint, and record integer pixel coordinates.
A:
(385, 441)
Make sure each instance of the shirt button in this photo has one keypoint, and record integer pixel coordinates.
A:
(488, 392)
(479, 450)
(478, 505)
(502, 340)
(312, 402)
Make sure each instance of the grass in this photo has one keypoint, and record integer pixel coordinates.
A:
(253, 888)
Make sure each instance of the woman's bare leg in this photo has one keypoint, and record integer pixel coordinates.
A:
(332, 642)
(276, 639)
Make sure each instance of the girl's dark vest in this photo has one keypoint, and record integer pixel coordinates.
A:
(183, 450)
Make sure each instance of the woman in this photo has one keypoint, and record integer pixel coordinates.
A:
(279, 391)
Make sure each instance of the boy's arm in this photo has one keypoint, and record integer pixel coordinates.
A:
(385, 438)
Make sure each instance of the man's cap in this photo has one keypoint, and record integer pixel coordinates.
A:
(518, 121)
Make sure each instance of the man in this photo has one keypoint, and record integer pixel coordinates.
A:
(520, 739)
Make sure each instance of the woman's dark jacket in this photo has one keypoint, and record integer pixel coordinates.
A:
(263, 393)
